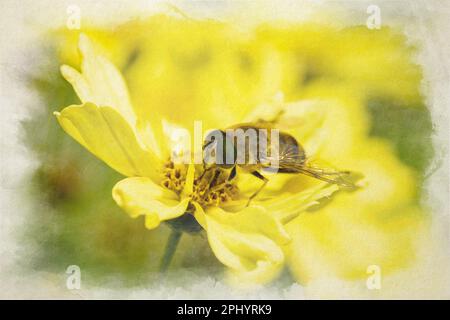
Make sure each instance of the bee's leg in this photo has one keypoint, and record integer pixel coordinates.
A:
(227, 181)
(213, 181)
(205, 169)
(232, 174)
(261, 177)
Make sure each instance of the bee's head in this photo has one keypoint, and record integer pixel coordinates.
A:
(219, 149)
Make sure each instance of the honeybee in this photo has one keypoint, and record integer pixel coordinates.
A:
(264, 148)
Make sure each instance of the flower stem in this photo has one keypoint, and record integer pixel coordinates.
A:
(171, 247)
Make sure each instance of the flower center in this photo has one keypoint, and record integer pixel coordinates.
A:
(211, 187)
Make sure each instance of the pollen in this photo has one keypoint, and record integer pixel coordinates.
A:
(211, 187)
(174, 177)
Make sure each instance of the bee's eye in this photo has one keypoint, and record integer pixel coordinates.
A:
(218, 148)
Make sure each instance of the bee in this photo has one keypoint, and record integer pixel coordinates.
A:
(256, 141)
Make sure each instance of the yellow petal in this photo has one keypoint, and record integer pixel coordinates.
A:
(248, 241)
(104, 132)
(99, 81)
(178, 141)
(141, 196)
(199, 215)
(189, 184)
(152, 138)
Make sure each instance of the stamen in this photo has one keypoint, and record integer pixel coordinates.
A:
(211, 187)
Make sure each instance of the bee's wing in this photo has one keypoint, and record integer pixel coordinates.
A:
(289, 161)
(286, 159)
(340, 178)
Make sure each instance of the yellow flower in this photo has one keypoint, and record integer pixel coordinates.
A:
(248, 240)
(183, 70)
